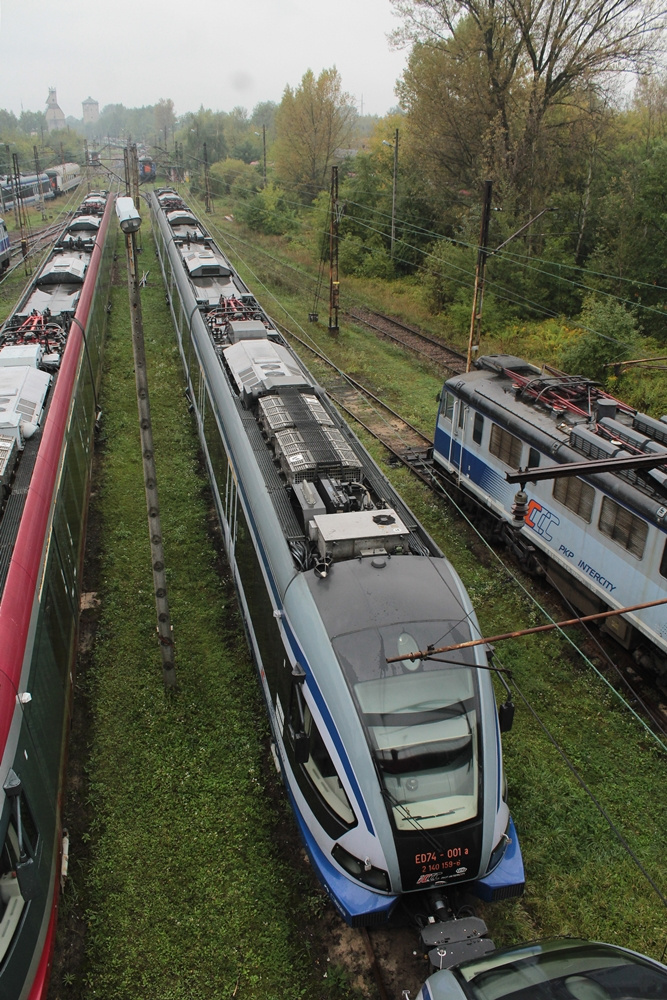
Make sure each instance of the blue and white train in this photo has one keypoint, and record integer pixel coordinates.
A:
(5, 247)
(394, 770)
(32, 188)
(601, 538)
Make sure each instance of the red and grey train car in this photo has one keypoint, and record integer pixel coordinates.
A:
(50, 364)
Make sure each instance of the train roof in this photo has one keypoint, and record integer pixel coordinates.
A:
(367, 594)
(570, 418)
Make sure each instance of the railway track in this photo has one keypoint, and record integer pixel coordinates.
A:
(412, 338)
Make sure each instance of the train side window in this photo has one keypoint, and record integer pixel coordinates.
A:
(505, 446)
(663, 562)
(323, 776)
(576, 495)
(447, 406)
(478, 428)
(533, 458)
(623, 527)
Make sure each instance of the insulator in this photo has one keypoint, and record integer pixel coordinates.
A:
(519, 508)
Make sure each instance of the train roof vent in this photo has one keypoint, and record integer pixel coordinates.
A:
(295, 459)
(201, 263)
(350, 464)
(625, 433)
(501, 362)
(181, 217)
(655, 429)
(22, 394)
(63, 270)
(588, 443)
(358, 533)
(88, 222)
(260, 366)
(317, 410)
(273, 415)
(246, 329)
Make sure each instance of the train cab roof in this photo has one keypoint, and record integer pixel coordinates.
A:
(420, 716)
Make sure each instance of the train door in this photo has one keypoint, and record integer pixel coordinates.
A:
(459, 413)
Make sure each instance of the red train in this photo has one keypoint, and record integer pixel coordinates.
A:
(50, 364)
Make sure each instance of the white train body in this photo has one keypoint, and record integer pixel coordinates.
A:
(602, 538)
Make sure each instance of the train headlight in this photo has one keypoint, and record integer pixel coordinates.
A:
(364, 872)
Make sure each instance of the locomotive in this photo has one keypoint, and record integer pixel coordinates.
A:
(50, 365)
(601, 538)
(393, 769)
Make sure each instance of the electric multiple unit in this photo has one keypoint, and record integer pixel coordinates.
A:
(393, 769)
(50, 364)
(601, 537)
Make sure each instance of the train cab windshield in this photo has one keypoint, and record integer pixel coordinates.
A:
(421, 722)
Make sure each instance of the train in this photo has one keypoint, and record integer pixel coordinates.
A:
(65, 177)
(600, 538)
(147, 169)
(33, 188)
(50, 366)
(5, 246)
(391, 758)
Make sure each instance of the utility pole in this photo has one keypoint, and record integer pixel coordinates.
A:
(334, 283)
(482, 254)
(478, 294)
(38, 171)
(264, 145)
(207, 183)
(20, 210)
(130, 225)
(393, 190)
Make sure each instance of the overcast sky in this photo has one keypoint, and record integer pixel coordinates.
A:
(219, 53)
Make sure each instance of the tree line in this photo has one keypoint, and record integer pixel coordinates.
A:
(562, 104)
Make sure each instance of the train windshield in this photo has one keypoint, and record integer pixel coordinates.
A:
(421, 721)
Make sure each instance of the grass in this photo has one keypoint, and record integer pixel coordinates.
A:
(193, 885)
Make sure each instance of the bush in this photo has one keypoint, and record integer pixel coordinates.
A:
(611, 335)
(268, 212)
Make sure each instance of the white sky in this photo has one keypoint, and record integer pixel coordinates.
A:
(219, 53)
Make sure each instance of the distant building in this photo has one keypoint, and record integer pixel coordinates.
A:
(55, 119)
(91, 111)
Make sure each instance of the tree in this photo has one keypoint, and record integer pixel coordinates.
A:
(205, 126)
(312, 122)
(520, 68)
(165, 119)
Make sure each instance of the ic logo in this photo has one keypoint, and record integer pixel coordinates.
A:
(541, 519)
